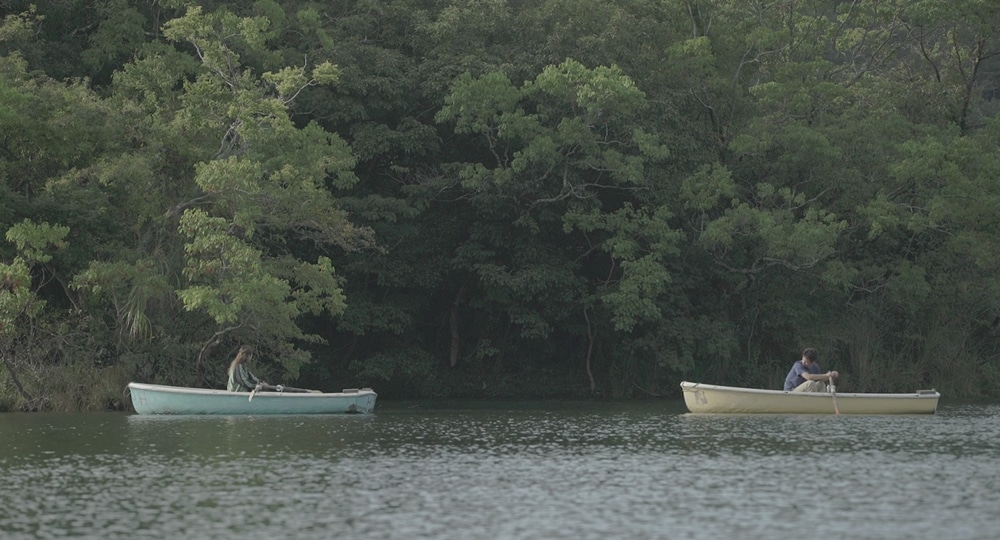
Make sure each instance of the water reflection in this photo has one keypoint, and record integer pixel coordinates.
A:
(549, 470)
(245, 436)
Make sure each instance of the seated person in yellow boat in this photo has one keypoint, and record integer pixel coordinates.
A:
(805, 374)
(240, 378)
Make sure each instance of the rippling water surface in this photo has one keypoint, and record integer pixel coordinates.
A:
(494, 470)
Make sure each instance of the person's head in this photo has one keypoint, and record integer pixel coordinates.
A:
(809, 356)
(245, 354)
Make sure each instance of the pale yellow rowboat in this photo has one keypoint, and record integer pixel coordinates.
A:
(710, 398)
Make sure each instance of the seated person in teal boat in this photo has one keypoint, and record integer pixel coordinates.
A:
(240, 378)
(805, 374)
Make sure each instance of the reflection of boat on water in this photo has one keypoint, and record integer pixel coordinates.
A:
(159, 399)
(710, 398)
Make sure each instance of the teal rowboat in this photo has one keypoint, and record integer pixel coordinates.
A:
(159, 399)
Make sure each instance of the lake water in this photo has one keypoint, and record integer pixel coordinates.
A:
(496, 471)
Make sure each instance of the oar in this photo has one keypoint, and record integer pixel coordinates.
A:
(833, 390)
(281, 388)
(293, 389)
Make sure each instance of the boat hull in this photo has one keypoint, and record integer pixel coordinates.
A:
(709, 398)
(159, 399)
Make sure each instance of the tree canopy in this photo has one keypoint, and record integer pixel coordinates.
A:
(498, 198)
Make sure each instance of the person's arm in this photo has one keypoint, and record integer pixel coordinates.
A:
(828, 376)
(246, 379)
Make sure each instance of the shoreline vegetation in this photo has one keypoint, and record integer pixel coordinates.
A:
(452, 199)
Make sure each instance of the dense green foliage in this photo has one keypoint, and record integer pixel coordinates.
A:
(496, 197)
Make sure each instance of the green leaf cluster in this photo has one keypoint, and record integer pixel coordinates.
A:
(562, 197)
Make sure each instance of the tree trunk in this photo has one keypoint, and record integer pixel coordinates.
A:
(17, 382)
(590, 350)
(453, 319)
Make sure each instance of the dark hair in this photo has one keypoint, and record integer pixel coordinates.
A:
(811, 354)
